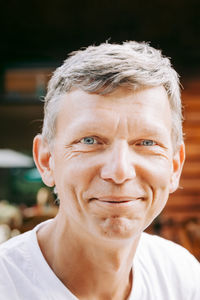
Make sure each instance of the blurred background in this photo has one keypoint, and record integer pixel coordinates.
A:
(35, 38)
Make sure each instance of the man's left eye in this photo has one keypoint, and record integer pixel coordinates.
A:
(88, 140)
(147, 143)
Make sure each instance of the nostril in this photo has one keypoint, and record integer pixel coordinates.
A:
(118, 176)
(118, 165)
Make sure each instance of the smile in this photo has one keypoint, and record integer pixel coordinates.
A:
(117, 201)
(125, 201)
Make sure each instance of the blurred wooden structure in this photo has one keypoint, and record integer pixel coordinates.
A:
(26, 81)
(180, 220)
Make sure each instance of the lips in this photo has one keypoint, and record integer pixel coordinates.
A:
(123, 201)
(117, 205)
(117, 199)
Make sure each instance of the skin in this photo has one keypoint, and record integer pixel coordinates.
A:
(113, 165)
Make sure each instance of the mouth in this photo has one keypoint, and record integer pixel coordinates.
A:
(124, 201)
(117, 201)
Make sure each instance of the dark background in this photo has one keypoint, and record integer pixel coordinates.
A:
(41, 33)
(45, 31)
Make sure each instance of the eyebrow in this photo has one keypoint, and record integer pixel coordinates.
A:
(154, 130)
(91, 128)
(78, 132)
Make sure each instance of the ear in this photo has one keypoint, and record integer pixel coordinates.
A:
(178, 161)
(43, 160)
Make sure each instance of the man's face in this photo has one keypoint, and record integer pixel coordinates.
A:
(112, 160)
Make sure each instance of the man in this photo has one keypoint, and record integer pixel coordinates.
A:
(112, 146)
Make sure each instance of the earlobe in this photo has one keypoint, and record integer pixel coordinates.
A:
(43, 160)
(178, 162)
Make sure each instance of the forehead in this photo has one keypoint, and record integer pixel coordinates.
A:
(144, 107)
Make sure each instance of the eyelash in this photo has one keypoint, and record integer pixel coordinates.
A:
(137, 144)
(90, 137)
(153, 142)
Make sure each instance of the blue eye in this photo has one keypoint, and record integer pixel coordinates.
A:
(89, 141)
(147, 143)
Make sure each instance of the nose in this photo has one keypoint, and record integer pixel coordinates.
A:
(118, 166)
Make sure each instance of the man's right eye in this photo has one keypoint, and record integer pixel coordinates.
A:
(88, 140)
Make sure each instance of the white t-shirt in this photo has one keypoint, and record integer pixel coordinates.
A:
(162, 271)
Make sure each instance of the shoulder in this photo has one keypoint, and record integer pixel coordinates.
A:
(163, 244)
(167, 252)
(169, 262)
(152, 241)
(14, 252)
(19, 245)
(14, 242)
(17, 254)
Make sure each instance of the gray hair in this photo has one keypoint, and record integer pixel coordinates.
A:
(104, 68)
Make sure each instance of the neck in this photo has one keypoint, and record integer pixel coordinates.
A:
(88, 267)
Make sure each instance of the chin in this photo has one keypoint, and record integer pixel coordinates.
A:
(118, 228)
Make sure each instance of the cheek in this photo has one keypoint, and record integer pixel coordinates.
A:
(74, 174)
(81, 171)
(158, 172)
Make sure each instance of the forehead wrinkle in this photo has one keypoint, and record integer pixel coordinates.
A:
(84, 126)
(122, 126)
(148, 128)
(98, 114)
